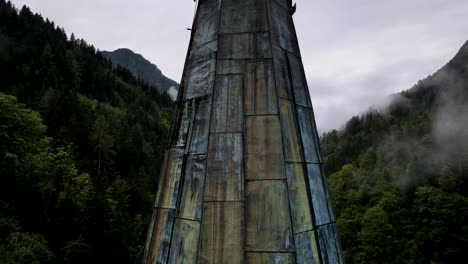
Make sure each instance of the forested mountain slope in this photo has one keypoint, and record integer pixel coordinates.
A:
(81, 145)
(398, 175)
(141, 68)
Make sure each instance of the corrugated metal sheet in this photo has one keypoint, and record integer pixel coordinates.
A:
(260, 90)
(267, 218)
(244, 46)
(158, 249)
(291, 141)
(191, 204)
(309, 137)
(270, 258)
(307, 251)
(168, 188)
(184, 244)
(299, 198)
(330, 247)
(222, 237)
(264, 152)
(244, 16)
(228, 104)
(200, 127)
(225, 176)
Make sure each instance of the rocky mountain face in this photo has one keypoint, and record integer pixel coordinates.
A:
(142, 69)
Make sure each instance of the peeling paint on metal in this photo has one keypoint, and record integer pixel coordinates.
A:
(158, 249)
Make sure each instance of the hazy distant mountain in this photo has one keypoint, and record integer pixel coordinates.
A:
(143, 69)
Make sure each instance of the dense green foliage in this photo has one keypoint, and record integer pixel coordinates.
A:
(398, 176)
(81, 145)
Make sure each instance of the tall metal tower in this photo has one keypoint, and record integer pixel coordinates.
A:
(242, 180)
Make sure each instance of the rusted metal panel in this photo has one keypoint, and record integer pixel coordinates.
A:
(264, 151)
(191, 203)
(161, 232)
(300, 88)
(222, 233)
(181, 124)
(228, 113)
(310, 141)
(299, 203)
(200, 127)
(184, 245)
(243, 16)
(282, 27)
(282, 76)
(330, 246)
(168, 188)
(318, 190)
(268, 223)
(244, 46)
(199, 76)
(270, 258)
(307, 251)
(230, 67)
(225, 175)
(289, 127)
(206, 31)
(260, 90)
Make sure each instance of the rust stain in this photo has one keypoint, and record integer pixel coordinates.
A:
(158, 249)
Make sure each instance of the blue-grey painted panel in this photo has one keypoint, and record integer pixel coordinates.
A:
(307, 251)
(199, 76)
(184, 244)
(260, 90)
(243, 16)
(191, 203)
(200, 127)
(283, 31)
(318, 191)
(309, 136)
(330, 246)
(282, 76)
(299, 82)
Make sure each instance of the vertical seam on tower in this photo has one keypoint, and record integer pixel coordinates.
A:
(270, 27)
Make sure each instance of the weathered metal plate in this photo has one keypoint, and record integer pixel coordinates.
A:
(206, 8)
(199, 76)
(307, 251)
(318, 191)
(244, 46)
(264, 151)
(260, 90)
(230, 67)
(268, 223)
(179, 129)
(243, 16)
(222, 233)
(225, 175)
(191, 203)
(228, 113)
(299, 203)
(282, 75)
(168, 188)
(301, 92)
(206, 31)
(161, 232)
(310, 142)
(200, 127)
(184, 245)
(330, 246)
(283, 31)
(289, 126)
(270, 258)
(284, 3)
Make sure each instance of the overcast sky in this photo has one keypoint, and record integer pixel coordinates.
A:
(355, 52)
